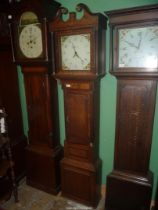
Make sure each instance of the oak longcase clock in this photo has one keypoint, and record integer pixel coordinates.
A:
(134, 61)
(30, 50)
(79, 64)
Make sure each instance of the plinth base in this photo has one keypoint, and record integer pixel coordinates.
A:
(81, 181)
(43, 168)
(126, 191)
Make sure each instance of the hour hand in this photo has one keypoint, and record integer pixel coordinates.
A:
(131, 44)
(140, 39)
(76, 54)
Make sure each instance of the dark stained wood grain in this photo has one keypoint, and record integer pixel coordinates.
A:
(135, 112)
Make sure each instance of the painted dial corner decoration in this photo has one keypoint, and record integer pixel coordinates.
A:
(75, 52)
(30, 40)
(138, 47)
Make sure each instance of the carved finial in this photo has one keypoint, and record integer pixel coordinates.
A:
(64, 10)
(61, 11)
(81, 7)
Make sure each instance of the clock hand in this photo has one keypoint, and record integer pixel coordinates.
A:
(131, 44)
(139, 44)
(76, 54)
(140, 40)
(81, 59)
(153, 38)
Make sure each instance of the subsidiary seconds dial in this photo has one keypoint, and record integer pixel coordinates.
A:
(30, 41)
(138, 47)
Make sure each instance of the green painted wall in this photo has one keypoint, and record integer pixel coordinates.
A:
(108, 93)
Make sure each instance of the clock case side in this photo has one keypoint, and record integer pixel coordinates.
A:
(125, 18)
(95, 24)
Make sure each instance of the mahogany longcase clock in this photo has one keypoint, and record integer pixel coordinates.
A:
(79, 64)
(30, 50)
(134, 62)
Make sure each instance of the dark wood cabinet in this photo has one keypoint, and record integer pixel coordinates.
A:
(9, 94)
(130, 184)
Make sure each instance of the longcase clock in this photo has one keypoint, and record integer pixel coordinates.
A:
(79, 64)
(134, 62)
(30, 49)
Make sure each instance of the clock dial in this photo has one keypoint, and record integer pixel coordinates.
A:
(30, 41)
(75, 52)
(138, 47)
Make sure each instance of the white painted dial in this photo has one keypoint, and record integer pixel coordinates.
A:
(30, 41)
(75, 52)
(138, 47)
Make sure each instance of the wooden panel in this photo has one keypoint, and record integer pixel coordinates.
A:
(87, 187)
(78, 86)
(78, 116)
(43, 169)
(124, 193)
(76, 190)
(38, 98)
(135, 110)
(77, 151)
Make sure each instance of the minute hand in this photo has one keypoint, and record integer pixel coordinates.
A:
(131, 44)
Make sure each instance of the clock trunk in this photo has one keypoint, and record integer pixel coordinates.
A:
(81, 156)
(44, 151)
